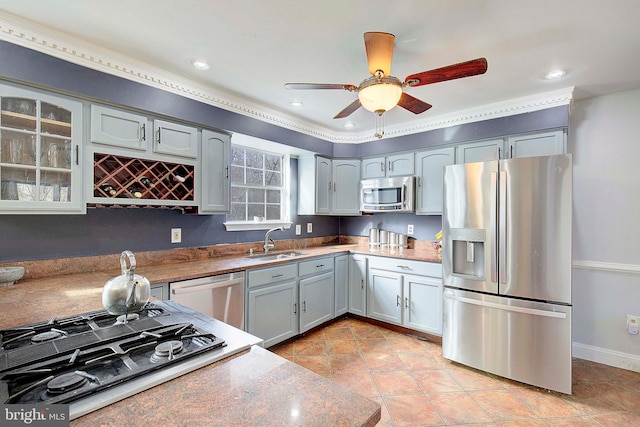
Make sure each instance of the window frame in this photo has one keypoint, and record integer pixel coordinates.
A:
(285, 204)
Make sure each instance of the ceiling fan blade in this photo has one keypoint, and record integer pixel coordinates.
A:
(303, 86)
(379, 47)
(451, 72)
(349, 109)
(412, 104)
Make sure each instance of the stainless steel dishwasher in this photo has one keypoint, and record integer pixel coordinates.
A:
(221, 297)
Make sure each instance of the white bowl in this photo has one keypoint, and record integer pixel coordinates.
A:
(9, 275)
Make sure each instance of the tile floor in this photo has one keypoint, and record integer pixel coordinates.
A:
(415, 386)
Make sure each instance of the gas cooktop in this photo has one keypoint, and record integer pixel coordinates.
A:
(82, 360)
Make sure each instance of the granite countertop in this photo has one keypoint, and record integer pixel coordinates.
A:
(255, 388)
(40, 299)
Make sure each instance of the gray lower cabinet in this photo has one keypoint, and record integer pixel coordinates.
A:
(384, 300)
(316, 292)
(272, 312)
(341, 278)
(406, 293)
(272, 303)
(358, 284)
(316, 300)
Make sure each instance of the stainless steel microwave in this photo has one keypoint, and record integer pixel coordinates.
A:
(395, 194)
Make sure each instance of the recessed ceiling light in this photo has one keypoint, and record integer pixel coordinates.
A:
(555, 74)
(200, 64)
(349, 125)
(296, 104)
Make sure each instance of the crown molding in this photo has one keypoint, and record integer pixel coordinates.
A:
(45, 40)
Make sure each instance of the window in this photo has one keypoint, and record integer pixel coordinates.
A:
(259, 189)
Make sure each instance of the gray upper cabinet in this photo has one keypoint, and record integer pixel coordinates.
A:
(215, 172)
(482, 151)
(119, 128)
(174, 139)
(527, 145)
(346, 187)
(430, 173)
(324, 186)
(328, 187)
(393, 165)
(40, 153)
(538, 144)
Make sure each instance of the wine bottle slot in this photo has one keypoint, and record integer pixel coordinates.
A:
(174, 178)
(108, 190)
(135, 191)
(146, 182)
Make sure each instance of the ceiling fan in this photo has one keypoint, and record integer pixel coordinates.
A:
(381, 92)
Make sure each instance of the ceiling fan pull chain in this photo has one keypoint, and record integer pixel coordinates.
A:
(379, 126)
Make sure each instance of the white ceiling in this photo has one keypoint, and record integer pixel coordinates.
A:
(255, 46)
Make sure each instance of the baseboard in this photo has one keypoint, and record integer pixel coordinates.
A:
(605, 356)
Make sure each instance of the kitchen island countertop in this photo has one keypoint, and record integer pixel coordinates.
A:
(255, 388)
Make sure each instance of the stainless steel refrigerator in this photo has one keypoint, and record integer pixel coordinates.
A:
(506, 258)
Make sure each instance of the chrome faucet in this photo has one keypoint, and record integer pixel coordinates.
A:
(268, 246)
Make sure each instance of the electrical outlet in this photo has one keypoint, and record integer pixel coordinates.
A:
(298, 229)
(632, 324)
(410, 229)
(309, 227)
(176, 235)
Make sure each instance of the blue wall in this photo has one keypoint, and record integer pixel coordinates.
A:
(107, 231)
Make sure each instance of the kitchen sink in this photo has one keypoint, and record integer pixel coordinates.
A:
(275, 255)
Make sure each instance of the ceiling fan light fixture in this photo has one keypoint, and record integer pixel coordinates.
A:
(380, 95)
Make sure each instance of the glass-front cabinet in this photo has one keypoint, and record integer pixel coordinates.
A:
(40, 137)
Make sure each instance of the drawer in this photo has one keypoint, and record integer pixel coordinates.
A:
(407, 266)
(315, 266)
(269, 275)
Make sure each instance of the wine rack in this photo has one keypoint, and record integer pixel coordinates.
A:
(119, 177)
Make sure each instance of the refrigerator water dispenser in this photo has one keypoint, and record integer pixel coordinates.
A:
(468, 247)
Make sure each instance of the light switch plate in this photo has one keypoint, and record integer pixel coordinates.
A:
(309, 227)
(298, 229)
(176, 235)
(410, 229)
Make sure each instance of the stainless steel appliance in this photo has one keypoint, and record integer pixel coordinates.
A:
(94, 359)
(221, 296)
(395, 194)
(506, 261)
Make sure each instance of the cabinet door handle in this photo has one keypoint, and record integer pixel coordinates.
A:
(381, 166)
(320, 266)
(159, 129)
(295, 308)
(144, 131)
(397, 300)
(404, 267)
(276, 276)
(77, 149)
(334, 186)
(361, 283)
(390, 166)
(406, 302)
(304, 306)
(227, 172)
(329, 185)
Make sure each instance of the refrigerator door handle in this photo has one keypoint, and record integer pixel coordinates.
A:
(505, 307)
(492, 227)
(502, 232)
